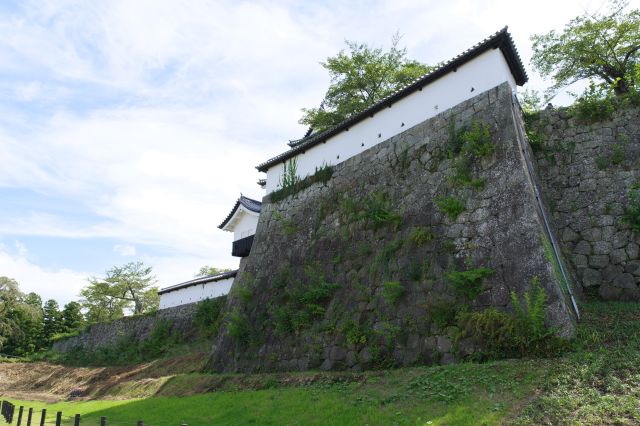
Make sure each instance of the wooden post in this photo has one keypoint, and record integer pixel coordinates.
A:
(29, 416)
(58, 418)
(139, 423)
(103, 421)
(20, 411)
(44, 415)
(76, 421)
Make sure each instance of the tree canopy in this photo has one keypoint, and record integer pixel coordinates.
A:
(124, 287)
(207, 270)
(360, 77)
(601, 46)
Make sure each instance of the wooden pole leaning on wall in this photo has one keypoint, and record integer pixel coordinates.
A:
(58, 418)
(76, 420)
(29, 416)
(20, 411)
(43, 416)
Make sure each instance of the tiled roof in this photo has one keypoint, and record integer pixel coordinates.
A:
(248, 203)
(201, 280)
(502, 40)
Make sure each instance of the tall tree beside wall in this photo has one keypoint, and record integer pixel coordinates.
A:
(605, 47)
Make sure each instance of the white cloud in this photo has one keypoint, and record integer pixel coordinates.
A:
(62, 284)
(124, 249)
(21, 249)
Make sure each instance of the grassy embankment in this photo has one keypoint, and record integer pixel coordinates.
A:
(598, 382)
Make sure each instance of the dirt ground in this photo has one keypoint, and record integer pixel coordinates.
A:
(53, 382)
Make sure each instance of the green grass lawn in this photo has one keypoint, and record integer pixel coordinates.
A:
(598, 382)
(457, 394)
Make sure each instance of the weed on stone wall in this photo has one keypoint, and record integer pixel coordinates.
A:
(379, 211)
(288, 225)
(468, 283)
(631, 213)
(421, 235)
(464, 147)
(301, 302)
(451, 206)
(392, 291)
(322, 174)
(238, 326)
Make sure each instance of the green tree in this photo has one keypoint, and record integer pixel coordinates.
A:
(124, 287)
(52, 320)
(101, 301)
(20, 319)
(207, 270)
(33, 299)
(361, 77)
(601, 46)
(72, 318)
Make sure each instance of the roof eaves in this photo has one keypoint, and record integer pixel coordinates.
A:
(200, 280)
(249, 203)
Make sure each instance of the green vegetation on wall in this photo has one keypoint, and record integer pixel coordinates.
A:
(295, 184)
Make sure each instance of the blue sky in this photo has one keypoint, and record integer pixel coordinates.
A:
(129, 128)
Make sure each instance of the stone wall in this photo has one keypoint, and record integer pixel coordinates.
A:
(107, 334)
(355, 272)
(586, 172)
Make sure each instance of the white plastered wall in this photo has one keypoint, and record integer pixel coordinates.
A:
(195, 293)
(482, 73)
(246, 225)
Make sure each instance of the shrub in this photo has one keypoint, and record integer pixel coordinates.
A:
(595, 104)
(451, 206)
(522, 333)
(468, 283)
(209, 314)
(392, 291)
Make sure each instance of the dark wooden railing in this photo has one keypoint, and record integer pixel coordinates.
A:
(7, 411)
(242, 247)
